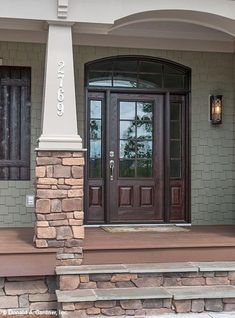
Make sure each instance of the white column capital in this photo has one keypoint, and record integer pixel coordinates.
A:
(59, 118)
(60, 23)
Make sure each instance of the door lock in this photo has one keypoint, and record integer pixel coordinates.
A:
(111, 166)
(111, 154)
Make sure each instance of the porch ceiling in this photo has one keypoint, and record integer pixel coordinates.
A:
(162, 29)
(153, 28)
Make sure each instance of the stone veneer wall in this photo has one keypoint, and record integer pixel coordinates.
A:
(13, 212)
(213, 173)
(59, 204)
(25, 295)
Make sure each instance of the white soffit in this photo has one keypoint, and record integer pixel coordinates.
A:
(172, 29)
(172, 35)
(20, 24)
(153, 43)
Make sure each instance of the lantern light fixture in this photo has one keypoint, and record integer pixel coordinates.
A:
(216, 109)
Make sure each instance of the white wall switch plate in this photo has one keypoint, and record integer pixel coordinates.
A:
(30, 201)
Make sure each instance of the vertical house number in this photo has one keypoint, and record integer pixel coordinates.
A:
(60, 93)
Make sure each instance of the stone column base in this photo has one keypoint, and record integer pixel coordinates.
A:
(59, 204)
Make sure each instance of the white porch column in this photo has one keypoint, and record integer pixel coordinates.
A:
(59, 118)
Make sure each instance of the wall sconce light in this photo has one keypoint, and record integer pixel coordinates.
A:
(216, 109)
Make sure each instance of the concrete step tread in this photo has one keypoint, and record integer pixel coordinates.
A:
(179, 267)
(200, 292)
(178, 293)
(112, 294)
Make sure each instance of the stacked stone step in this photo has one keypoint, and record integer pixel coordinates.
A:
(59, 204)
(146, 289)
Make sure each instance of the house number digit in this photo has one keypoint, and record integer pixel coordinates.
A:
(60, 92)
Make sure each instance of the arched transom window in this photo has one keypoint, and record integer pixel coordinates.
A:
(137, 72)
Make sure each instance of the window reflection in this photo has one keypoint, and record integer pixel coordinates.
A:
(125, 80)
(127, 149)
(127, 168)
(144, 168)
(95, 109)
(144, 149)
(136, 137)
(100, 79)
(127, 110)
(144, 130)
(95, 129)
(144, 111)
(127, 129)
(95, 149)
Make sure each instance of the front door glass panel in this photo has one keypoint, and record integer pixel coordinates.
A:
(135, 139)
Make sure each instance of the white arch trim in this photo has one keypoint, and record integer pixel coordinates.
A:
(216, 22)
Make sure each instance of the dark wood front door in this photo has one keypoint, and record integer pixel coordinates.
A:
(137, 163)
(134, 169)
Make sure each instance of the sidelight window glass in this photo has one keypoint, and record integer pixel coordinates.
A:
(175, 140)
(95, 138)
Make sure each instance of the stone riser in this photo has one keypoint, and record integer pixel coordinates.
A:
(145, 307)
(129, 280)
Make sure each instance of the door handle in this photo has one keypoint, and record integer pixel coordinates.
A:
(111, 166)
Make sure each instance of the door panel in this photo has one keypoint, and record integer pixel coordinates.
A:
(135, 140)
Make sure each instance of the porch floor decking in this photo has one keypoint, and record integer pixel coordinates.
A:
(201, 243)
(19, 256)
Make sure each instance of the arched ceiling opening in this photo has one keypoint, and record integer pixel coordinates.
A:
(155, 29)
(207, 20)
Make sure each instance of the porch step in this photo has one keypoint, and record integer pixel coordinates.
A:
(146, 289)
(179, 267)
(146, 301)
(112, 294)
(176, 293)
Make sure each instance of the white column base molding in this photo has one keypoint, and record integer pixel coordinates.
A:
(60, 143)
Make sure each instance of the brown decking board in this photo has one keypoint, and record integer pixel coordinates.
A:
(201, 243)
(19, 257)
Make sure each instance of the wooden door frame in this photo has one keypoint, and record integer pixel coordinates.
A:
(166, 93)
